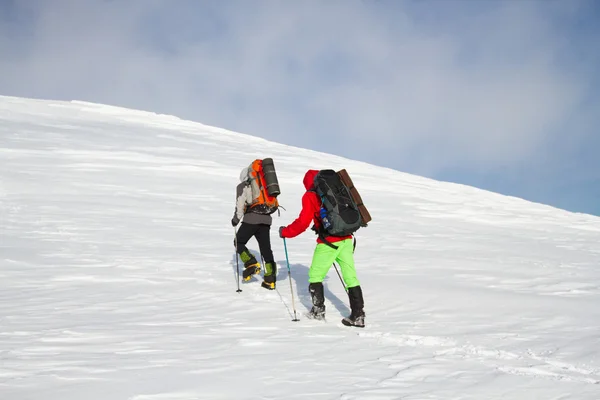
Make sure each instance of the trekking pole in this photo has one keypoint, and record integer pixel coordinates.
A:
(290, 277)
(237, 263)
(341, 280)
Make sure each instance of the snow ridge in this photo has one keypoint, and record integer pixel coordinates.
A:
(117, 275)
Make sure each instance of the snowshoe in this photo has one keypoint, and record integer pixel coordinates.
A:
(268, 285)
(249, 271)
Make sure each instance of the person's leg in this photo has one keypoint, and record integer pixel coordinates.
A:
(263, 237)
(251, 266)
(244, 234)
(345, 259)
(322, 260)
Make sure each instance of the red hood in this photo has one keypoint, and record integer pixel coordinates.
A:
(309, 178)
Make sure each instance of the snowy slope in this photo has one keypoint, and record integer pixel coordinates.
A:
(117, 275)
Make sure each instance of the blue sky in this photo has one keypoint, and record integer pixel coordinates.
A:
(500, 95)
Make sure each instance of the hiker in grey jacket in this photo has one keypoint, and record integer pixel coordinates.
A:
(253, 224)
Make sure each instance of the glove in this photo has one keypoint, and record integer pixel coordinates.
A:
(281, 231)
(234, 221)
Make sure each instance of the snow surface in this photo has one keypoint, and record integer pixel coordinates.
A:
(117, 275)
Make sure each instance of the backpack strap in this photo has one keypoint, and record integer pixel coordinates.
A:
(327, 242)
(321, 232)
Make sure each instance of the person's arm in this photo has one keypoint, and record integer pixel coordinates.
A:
(309, 209)
(240, 205)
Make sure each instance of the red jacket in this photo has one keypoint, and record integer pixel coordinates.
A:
(311, 204)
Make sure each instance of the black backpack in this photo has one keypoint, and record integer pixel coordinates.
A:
(341, 210)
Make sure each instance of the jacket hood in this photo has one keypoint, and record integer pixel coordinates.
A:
(309, 179)
(244, 175)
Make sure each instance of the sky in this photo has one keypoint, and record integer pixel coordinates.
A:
(500, 95)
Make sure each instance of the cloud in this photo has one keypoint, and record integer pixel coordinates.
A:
(421, 86)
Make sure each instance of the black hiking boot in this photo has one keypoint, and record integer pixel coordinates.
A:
(357, 316)
(318, 299)
(270, 276)
(355, 320)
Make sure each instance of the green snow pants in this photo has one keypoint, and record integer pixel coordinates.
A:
(324, 257)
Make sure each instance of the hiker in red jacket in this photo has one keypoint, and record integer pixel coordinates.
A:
(328, 250)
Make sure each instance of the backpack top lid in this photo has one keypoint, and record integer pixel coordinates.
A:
(325, 181)
(256, 164)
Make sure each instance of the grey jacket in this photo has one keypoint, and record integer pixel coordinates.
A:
(243, 199)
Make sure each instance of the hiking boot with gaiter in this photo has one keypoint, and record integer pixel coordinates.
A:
(270, 276)
(318, 300)
(357, 316)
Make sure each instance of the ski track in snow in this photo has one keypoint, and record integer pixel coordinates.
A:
(117, 275)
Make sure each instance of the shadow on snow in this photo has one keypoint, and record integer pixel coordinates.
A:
(299, 274)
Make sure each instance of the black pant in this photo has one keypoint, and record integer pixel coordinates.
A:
(263, 237)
